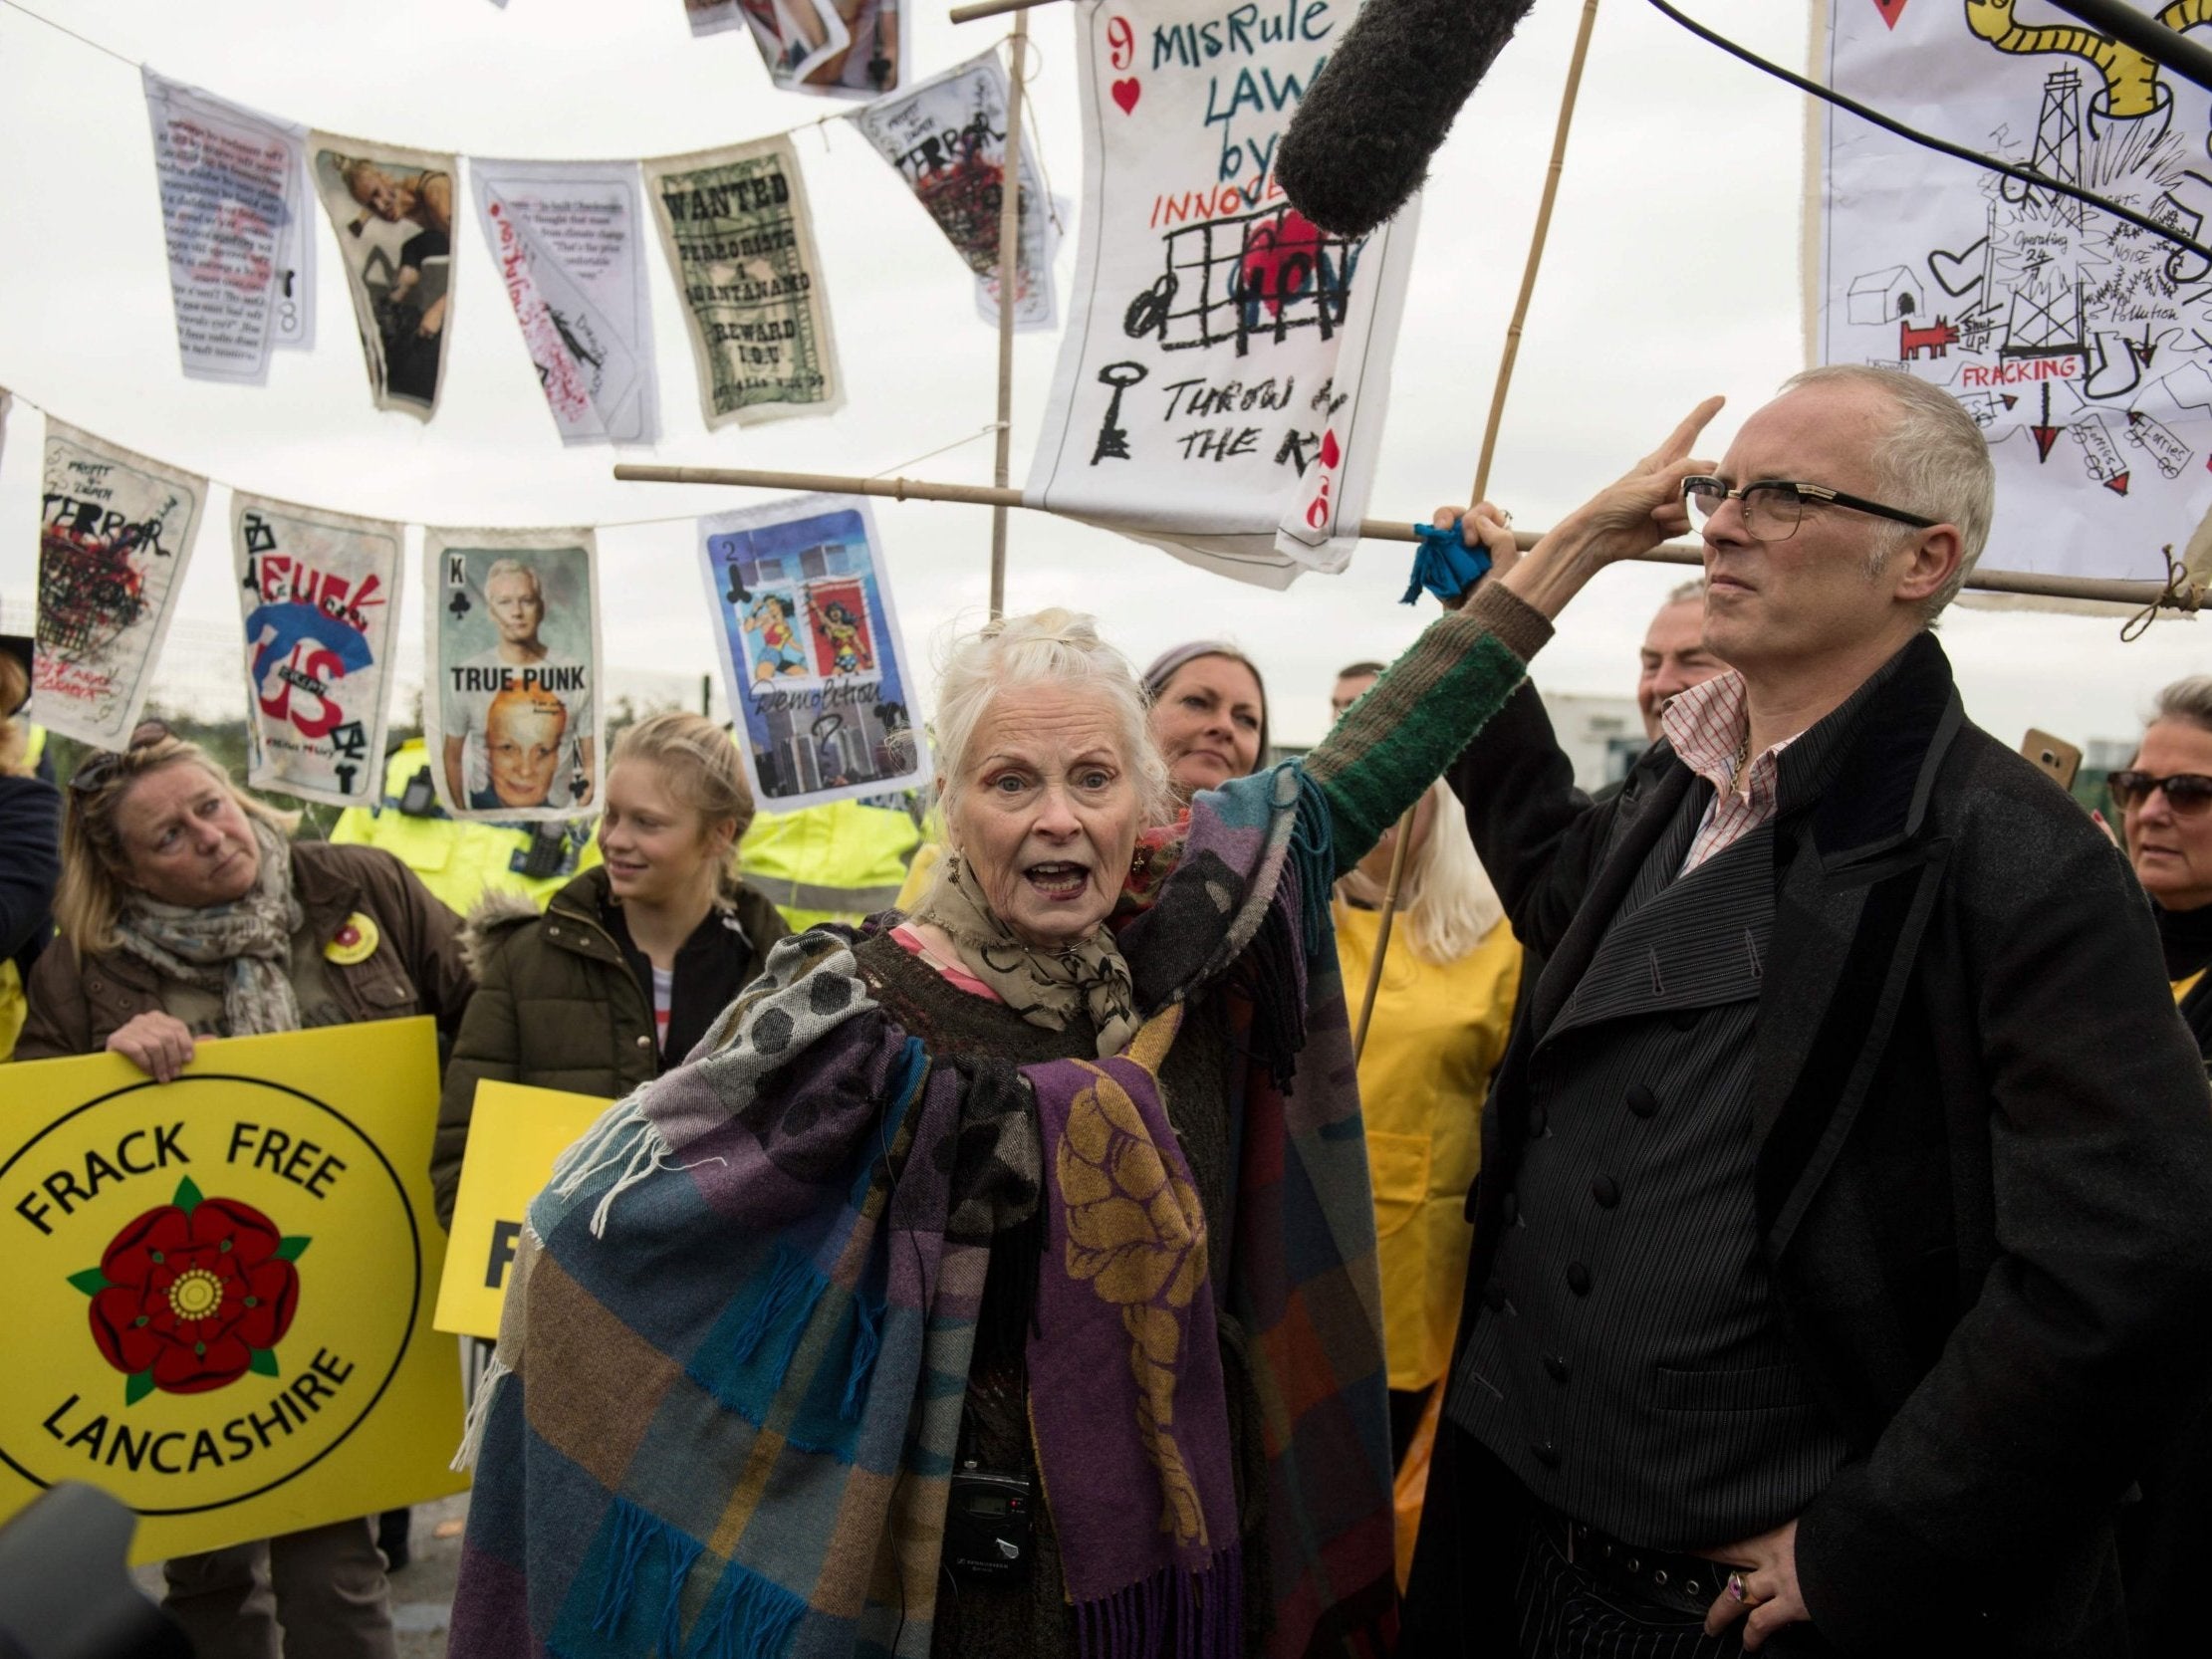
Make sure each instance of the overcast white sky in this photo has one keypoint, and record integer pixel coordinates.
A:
(1672, 273)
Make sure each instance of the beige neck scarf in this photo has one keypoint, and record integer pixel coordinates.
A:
(1047, 988)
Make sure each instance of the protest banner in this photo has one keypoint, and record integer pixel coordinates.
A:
(947, 139)
(832, 48)
(1221, 386)
(735, 226)
(513, 1134)
(569, 240)
(393, 211)
(811, 652)
(2078, 342)
(226, 1283)
(510, 715)
(234, 215)
(320, 593)
(115, 535)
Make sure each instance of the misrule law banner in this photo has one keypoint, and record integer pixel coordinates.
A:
(227, 1285)
(1222, 382)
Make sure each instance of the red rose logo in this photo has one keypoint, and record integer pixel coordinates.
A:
(193, 1296)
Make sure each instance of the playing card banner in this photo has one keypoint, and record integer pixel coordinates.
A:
(734, 223)
(392, 210)
(234, 215)
(569, 241)
(832, 48)
(2079, 343)
(947, 139)
(320, 593)
(811, 651)
(114, 532)
(511, 715)
(1221, 386)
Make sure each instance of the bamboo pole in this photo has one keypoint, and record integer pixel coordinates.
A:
(992, 8)
(1009, 253)
(1506, 361)
(2187, 599)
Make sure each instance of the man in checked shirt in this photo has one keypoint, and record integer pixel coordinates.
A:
(1845, 1229)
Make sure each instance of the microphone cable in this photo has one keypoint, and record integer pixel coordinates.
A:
(1929, 141)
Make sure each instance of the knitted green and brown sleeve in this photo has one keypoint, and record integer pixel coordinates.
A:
(1413, 722)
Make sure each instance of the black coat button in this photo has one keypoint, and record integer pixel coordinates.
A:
(1607, 1191)
(1556, 1366)
(1578, 1278)
(1509, 1208)
(1641, 1100)
(1539, 1121)
(1545, 1453)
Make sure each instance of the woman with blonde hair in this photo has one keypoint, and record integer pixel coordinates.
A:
(633, 959)
(1438, 1030)
(30, 858)
(186, 911)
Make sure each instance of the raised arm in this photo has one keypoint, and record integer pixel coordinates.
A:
(1414, 721)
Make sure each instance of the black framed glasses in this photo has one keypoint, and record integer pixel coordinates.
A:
(2187, 793)
(1773, 507)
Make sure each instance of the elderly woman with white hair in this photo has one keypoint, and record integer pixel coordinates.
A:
(1002, 1282)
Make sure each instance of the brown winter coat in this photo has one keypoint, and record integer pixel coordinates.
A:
(417, 967)
(562, 1003)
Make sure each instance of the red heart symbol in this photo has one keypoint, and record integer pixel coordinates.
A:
(1890, 10)
(1125, 92)
(1268, 249)
(1330, 453)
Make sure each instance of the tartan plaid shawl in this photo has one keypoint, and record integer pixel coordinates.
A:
(721, 1421)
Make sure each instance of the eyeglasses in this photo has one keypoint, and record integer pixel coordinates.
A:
(1774, 508)
(97, 770)
(2187, 793)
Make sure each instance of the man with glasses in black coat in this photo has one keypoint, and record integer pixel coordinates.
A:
(1846, 1217)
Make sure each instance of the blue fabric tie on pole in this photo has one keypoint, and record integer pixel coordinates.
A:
(1445, 565)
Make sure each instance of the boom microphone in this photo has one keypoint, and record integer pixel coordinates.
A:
(1360, 140)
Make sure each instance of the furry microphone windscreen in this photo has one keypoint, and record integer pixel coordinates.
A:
(1359, 143)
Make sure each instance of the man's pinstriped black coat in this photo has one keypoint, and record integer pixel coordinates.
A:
(1984, 1171)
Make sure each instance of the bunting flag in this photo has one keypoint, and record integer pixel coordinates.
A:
(735, 226)
(812, 656)
(2081, 344)
(234, 214)
(320, 593)
(511, 714)
(832, 48)
(1221, 388)
(392, 210)
(115, 535)
(568, 238)
(947, 139)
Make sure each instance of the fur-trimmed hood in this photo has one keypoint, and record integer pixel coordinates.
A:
(498, 912)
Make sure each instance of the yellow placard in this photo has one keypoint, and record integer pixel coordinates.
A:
(513, 1134)
(222, 1286)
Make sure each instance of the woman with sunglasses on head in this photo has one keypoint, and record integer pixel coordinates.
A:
(186, 911)
(2164, 797)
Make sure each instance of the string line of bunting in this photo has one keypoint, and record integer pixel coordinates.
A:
(816, 668)
(567, 240)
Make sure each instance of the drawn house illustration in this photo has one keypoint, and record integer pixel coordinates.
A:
(1881, 297)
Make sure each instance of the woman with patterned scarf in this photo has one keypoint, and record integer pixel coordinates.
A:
(1001, 1283)
(186, 911)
